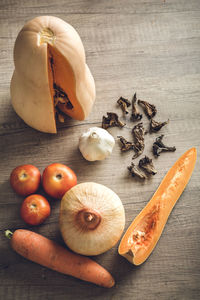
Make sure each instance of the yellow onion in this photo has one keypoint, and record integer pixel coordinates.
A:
(92, 218)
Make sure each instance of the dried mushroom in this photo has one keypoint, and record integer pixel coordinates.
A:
(147, 165)
(59, 115)
(111, 121)
(136, 172)
(138, 132)
(60, 99)
(159, 147)
(124, 104)
(156, 126)
(135, 116)
(149, 109)
(125, 144)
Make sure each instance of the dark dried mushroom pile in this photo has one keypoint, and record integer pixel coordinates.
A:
(124, 104)
(159, 146)
(138, 133)
(145, 167)
(156, 126)
(125, 145)
(149, 109)
(111, 120)
(135, 115)
(136, 172)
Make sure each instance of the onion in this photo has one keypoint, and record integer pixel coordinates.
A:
(91, 219)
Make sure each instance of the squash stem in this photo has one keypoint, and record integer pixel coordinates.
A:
(8, 234)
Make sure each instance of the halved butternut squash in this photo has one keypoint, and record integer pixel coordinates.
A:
(51, 76)
(144, 232)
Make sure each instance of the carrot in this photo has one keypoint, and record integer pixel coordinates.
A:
(45, 252)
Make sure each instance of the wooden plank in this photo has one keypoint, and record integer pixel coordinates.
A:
(25, 8)
(151, 47)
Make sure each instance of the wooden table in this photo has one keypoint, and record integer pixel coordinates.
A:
(149, 47)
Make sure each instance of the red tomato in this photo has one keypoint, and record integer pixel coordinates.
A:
(35, 209)
(57, 179)
(25, 180)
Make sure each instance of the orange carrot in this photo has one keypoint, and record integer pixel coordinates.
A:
(47, 253)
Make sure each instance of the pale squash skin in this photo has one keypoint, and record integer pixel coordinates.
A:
(31, 88)
(144, 232)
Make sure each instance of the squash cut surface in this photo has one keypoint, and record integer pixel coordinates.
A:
(144, 232)
(62, 84)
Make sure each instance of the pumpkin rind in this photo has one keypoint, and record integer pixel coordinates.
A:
(31, 89)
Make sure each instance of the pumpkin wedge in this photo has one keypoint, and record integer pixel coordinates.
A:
(51, 76)
(144, 232)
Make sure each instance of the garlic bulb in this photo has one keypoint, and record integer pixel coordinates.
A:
(91, 219)
(96, 144)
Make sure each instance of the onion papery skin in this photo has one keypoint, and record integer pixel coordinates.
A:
(90, 196)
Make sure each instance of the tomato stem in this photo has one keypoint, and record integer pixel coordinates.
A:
(59, 176)
(8, 234)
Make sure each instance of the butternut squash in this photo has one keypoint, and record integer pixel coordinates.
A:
(51, 75)
(144, 232)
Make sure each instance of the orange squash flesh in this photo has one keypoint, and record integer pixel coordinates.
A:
(144, 232)
(61, 74)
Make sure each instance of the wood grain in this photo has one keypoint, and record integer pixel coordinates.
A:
(151, 47)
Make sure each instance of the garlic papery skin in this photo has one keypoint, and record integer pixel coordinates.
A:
(91, 218)
(96, 144)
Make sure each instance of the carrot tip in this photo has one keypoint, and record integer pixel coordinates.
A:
(112, 283)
